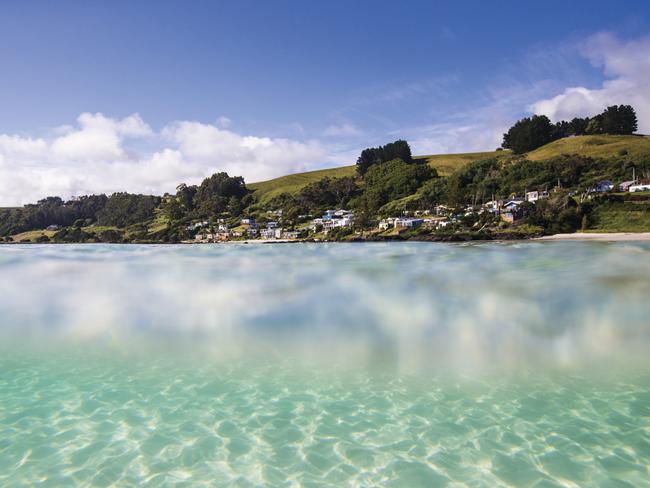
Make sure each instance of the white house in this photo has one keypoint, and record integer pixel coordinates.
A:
(408, 223)
(641, 186)
(625, 186)
(533, 196)
(386, 224)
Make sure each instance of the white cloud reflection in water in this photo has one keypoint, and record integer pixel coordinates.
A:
(409, 306)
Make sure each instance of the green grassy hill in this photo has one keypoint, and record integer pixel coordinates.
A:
(600, 146)
(444, 163)
(595, 147)
(293, 183)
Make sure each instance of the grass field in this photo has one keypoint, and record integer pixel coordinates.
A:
(293, 183)
(446, 164)
(595, 147)
(600, 146)
(32, 235)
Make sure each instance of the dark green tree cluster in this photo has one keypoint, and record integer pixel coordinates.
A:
(216, 195)
(123, 209)
(557, 215)
(328, 193)
(219, 193)
(530, 133)
(51, 211)
(617, 119)
(392, 180)
(376, 155)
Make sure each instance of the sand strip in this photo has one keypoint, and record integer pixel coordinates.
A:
(600, 236)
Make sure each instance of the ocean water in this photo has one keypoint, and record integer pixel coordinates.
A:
(379, 364)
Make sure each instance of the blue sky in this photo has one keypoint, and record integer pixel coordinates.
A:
(183, 89)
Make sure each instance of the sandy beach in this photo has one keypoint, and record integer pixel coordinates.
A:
(602, 236)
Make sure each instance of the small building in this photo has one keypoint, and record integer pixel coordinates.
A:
(533, 196)
(625, 186)
(52, 227)
(408, 223)
(643, 185)
(267, 233)
(386, 224)
(248, 221)
(512, 204)
(345, 221)
(272, 225)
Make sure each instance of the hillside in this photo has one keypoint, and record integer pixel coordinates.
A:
(444, 163)
(294, 182)
(599, 146)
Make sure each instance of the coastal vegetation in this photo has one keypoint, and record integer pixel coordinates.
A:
(572, 180)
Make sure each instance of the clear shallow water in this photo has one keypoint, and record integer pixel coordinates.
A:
(379, 364)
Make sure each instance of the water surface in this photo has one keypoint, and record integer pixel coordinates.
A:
(394, 364)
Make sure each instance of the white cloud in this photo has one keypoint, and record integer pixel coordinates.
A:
(102, 155)
(626, 64)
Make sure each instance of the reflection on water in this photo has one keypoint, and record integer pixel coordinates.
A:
(413, 305)
(408, 364)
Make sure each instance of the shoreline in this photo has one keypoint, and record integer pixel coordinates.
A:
(598, 236)
(577, 236)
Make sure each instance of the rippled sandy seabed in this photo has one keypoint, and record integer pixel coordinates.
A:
(390, 364)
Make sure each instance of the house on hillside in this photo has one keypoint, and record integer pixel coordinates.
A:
(408, 223)
(512, 204)
(625, 186)
(643, 185)
(386, 224)
(533, 196)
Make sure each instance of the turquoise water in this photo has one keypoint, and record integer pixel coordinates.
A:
(409, 364)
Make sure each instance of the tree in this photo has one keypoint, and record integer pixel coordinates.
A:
(392, 180)
(214, 194)
(399, 149)
(529, 133)
(619, 119)
(595, 126)
(124, 209)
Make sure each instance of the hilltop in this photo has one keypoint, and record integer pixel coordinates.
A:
(594, 146)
